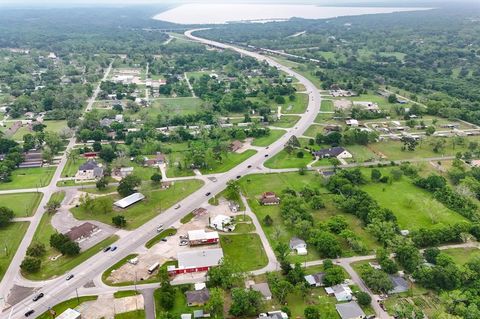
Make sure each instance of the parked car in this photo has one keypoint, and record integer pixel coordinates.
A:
(266, 155)
(39, 296)
(164, 239)
(249, 166)
(208, 194)
(69, 277)
(160, 228)
(107, 249)
(177, 206)
(238, 176)
(183, 243)
(113, 248)
(29, 313)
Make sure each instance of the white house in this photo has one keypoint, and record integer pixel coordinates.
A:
(352, 123)
(223, 223)
(299, 246)
(341, 292)
(333, 152)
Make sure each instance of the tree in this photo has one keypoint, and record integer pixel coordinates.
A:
(326, 244)
(128, 184)
(107, 154)
(214, 305)
(376, 175)
(409, 143)
(311, 312)
(156, 178)
(334, 276)
(300, 154)
(233, 190)
(6, 216)
(36, 250)
(119, 221)
(408, 256)
(392, 98)
(64, 244)
(225, 275)
(102, 183)
(103, 205)
(363, 298)
(431, 254)
(31, 264)
(245, 303)
(268, 221)
(430, 130)
(279, 286)
(377, 280)
(52, 206)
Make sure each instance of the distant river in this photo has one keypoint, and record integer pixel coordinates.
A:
(225, 13)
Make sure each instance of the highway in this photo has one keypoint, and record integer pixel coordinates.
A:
(58, 289)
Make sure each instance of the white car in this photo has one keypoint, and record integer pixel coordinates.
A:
(177, 206)
(159, 228)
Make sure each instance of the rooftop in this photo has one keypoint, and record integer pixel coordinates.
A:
(199, 258)
(349, 310)
(129, 200)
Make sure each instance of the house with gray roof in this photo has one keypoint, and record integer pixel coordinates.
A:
(197, 298)
(400, 284)
(315, 280)
(333, 152)
(350, 310)
(264, 289)
(89, 170)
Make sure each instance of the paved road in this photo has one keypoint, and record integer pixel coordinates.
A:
(59, 288)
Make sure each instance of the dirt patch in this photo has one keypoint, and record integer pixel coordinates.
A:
(342, 104)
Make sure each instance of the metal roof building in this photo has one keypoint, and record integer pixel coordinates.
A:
(69, 314)
(129, 200)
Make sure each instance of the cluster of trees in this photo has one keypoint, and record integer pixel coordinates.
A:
(13, 157)
(120, 90)
(64, 244)
(6, 216)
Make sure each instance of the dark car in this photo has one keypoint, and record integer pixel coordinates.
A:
(249, 166)
(29, 313)
(163, 239)
(69, 277)
(266, 155)
(107, 249)
(238, 176)
(208, 194)
(39, 296)
(113, 248)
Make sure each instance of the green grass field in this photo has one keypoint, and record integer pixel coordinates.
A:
(23, 205)
(269, 139)
(298, 106)
(155, 240)
(285, 160)
(327, 106)
(71, 303)
(239, 249)
(180, 304)
(229, 161)
(136, 314)
(156, 201)
(29, 178)
(10, 238)
(125, 293)
(462, 255)
(286, 121)
(180, 105)
(71, 167)
(55, 126)
(413, 206)
(313, 130)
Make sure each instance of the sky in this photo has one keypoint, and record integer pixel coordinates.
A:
(42, 3)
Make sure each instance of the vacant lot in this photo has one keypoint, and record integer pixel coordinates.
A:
(241, 248)
(269, 139)
(229, 161)
(156, 201)
(285, 160)
(173, 106)
(413, 206)
(462, 255)
(10, 237)
(23, 205)
(297, 106)
(286, 121)
(29, 178)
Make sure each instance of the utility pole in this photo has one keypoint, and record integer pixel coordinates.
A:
(78, 299)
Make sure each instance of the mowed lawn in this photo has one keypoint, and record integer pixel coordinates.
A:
(269, 139)
(286, 121)
(297, 106)
(462, 255)
(245, 251)
(22, 204)
(29, 178)
(313, 130)
(156, 201)
(10, 238)
(229, 161)
(413, 206)
(173, 106)
(135, 314)
(327, 106)
(285, 160)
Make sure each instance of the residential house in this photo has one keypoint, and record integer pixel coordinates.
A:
(223, 223)
(351, 122)
(315, 280)
(196, 298)
(273, 315)
(159, 159)
(31, 159)
(350, 310)
(333, 152)
(298, 245)
(269, 198)
(90, 170)
(341, 292)
(264, 289)
(399, 284)
(123, 172)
